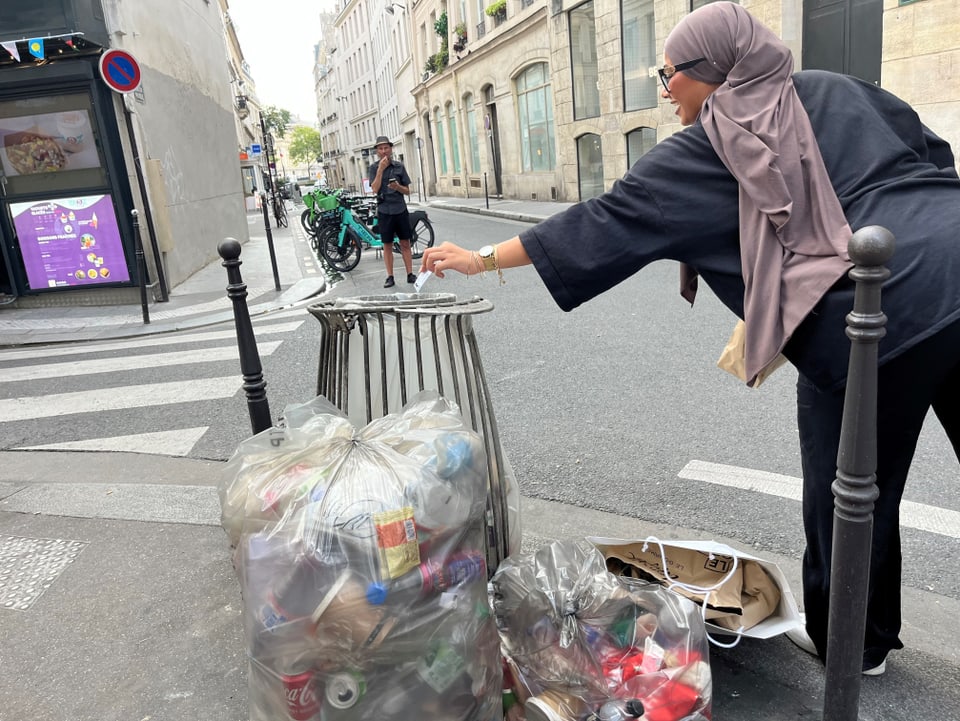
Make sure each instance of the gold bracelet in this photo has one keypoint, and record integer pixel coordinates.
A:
(496, 264)
(477, 263)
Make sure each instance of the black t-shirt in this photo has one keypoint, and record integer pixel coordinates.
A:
(679, 202)
(390, 201)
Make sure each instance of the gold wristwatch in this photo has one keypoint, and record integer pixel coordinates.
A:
(488, 257)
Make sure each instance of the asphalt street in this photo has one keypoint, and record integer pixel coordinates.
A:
(614, 417)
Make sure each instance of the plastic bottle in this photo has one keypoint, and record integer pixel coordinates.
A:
(620, 710)
(429, 577)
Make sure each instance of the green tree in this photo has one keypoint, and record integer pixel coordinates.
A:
(276, 119)
(305, 145)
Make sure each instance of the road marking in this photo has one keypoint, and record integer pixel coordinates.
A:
(142, 342)
(127, 363)
(113, 399)
(161, 443)
(922, 517)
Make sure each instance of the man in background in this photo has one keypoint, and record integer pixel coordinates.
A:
(389, 180)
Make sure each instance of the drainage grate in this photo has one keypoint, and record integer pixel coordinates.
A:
(29, 566)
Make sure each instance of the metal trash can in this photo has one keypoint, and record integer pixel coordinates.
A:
(376, 352)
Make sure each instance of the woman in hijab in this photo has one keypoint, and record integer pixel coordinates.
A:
(758, 196)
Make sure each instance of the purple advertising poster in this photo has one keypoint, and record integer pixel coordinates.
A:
(68, 242)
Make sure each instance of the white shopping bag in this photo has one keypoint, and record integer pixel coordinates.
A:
(715, 578)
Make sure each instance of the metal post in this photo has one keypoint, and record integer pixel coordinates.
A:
(855, 488)
(141, 266)
(253, 383)
(138, 166)
(266, 228)
(486, 194)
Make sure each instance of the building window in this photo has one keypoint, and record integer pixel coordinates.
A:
(583, 62)
(472, 135)
(639, 55)
(441, 144)
(535, 104)
(454, 143)
(639, 141)
(694, 4)
(590, 165)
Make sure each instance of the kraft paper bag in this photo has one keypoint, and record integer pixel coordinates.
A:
(745, 595)
(732, 359)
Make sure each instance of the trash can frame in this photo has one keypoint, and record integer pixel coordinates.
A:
(462, 376)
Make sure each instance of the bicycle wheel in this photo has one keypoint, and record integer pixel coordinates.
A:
(343, 257)
(421, 237)
(280, 212)
(305, 222)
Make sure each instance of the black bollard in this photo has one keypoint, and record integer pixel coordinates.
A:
(253, 383)
(855, 488)
(486, 191)
(266, 227)
(141, 266)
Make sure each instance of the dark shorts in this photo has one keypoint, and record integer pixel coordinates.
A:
(393, 227)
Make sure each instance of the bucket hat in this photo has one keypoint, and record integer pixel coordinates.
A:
(383, 140)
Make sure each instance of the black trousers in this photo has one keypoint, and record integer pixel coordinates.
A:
(927, 376)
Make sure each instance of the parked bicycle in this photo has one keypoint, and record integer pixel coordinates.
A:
(279, 209)
(342, 226)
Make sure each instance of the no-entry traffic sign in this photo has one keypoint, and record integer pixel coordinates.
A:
(120, 71)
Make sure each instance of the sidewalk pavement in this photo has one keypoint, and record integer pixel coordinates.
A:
(202, 299)
(118, 601)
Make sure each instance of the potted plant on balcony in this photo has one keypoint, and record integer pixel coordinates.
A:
(461, 32)
(497, 10)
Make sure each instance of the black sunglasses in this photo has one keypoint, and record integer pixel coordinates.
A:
(668, 71)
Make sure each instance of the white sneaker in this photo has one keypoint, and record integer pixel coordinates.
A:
(802, 640)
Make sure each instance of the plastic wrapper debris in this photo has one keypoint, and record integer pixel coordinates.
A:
(585, 645)
(362, 564)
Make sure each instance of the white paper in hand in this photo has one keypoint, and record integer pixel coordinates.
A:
(421, 279)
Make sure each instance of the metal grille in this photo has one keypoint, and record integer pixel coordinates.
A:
(29, 566)
(407, 344)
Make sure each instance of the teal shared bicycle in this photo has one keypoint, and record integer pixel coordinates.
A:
(342, 227)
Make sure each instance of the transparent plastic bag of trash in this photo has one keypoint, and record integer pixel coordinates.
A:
(584, 643)
(361, 555)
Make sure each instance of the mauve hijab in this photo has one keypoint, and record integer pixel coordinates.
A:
(793, 234)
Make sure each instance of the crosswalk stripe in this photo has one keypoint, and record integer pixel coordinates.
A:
(162, 443)
(111, 399)
(141, 342)
(126, 363)
(922, 517)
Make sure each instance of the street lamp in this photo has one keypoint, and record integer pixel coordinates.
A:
(389, 8)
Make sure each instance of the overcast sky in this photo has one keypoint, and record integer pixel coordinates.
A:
(277, 37)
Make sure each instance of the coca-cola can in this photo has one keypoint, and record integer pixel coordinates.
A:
(303, 702)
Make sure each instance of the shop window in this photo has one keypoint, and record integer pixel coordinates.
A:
(535, 105)
(639, 141)
(441, 143)
(454, 143)
(583, 62)
(473, 135)
(639, 55)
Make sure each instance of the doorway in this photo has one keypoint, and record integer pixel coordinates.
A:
(844, 36)
(493, 136)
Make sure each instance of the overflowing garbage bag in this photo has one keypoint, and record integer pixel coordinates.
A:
(585, 645)
(362, 565)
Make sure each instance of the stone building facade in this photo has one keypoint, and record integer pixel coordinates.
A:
(168, 149)
(474, 108)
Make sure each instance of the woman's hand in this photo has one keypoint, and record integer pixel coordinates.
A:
(448, 256)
